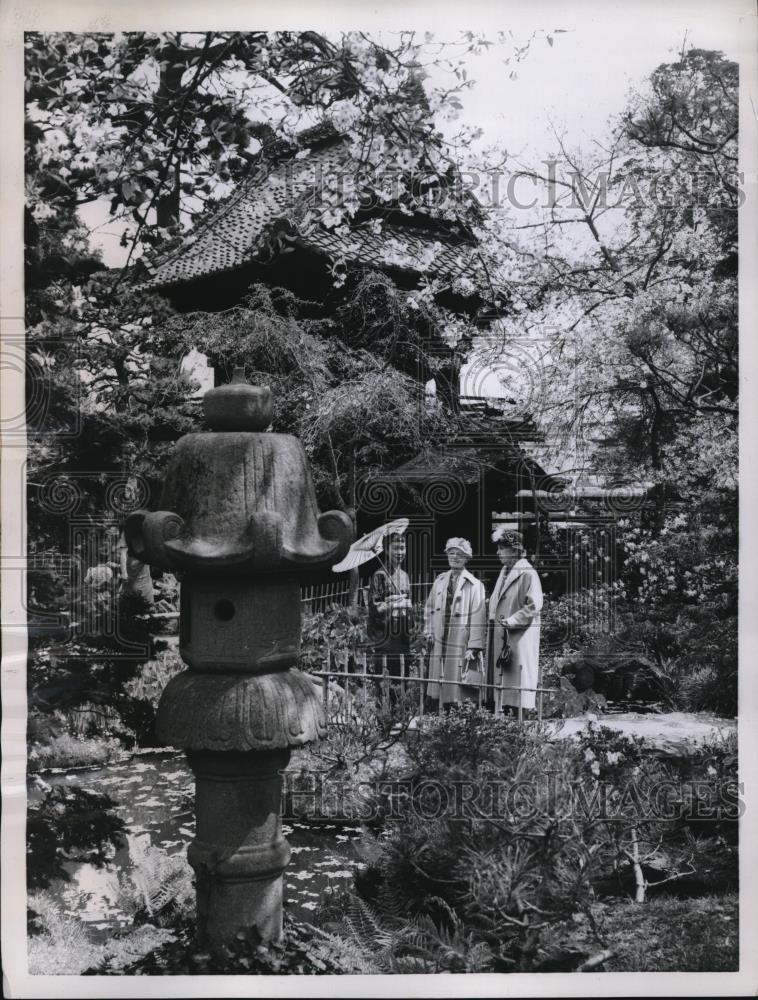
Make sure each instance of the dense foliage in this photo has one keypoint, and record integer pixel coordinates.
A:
(498, 837)
(141, 117)
(69, 824)
(635, 283)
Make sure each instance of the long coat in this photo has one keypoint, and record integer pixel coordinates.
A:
(467, 631)
(517, 597)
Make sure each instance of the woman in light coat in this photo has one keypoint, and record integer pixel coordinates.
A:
(455, 625)
(515, 603)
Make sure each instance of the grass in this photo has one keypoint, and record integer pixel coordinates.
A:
(62, 946)
(673, 935)
(68, 751)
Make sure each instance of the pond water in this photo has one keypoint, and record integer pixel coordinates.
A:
(154, 795)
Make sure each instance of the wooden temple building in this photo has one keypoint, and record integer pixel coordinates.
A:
(492, 467)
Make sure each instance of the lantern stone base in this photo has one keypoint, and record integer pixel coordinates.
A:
(239, 852)
(238, 731)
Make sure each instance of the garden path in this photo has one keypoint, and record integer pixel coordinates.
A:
(670, 733)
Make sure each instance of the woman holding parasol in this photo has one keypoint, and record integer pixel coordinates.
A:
(390, 622)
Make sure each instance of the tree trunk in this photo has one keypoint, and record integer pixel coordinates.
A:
(639, 878)
(168, 205)
(448, 383)
(354, 576)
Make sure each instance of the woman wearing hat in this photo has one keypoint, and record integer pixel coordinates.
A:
(455, 622)
(514, 617)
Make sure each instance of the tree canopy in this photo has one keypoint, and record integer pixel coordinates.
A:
(636, 274)
(163, 123)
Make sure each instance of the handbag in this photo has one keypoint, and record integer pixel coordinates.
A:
(504, 658)
(472, 672)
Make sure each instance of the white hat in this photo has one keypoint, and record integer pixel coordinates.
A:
(460, 543)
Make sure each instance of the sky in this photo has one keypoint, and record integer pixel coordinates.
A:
(575, 86)
(584, 77)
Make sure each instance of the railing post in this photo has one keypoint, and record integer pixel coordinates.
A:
(539, 693)
(325, 692)
(364, 682)
(420, 668)
(385, 686)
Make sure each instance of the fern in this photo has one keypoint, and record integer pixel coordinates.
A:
(158, 883)
(366, 924)
(369, 941)
(345, 951)
(449, 949)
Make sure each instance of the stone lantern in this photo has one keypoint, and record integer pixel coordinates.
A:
(239, 525)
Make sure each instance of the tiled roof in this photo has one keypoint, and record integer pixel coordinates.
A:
(466, 458)
(464, 464)
(234, 236)
(467, 465)
(276, 195)
(413, 251)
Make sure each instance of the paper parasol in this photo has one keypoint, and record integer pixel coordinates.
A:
(370, 545)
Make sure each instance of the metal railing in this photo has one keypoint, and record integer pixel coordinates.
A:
(319, 597)
(412, 672)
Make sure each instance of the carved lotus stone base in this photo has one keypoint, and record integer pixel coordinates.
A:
(240, 712)
(239, 852)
